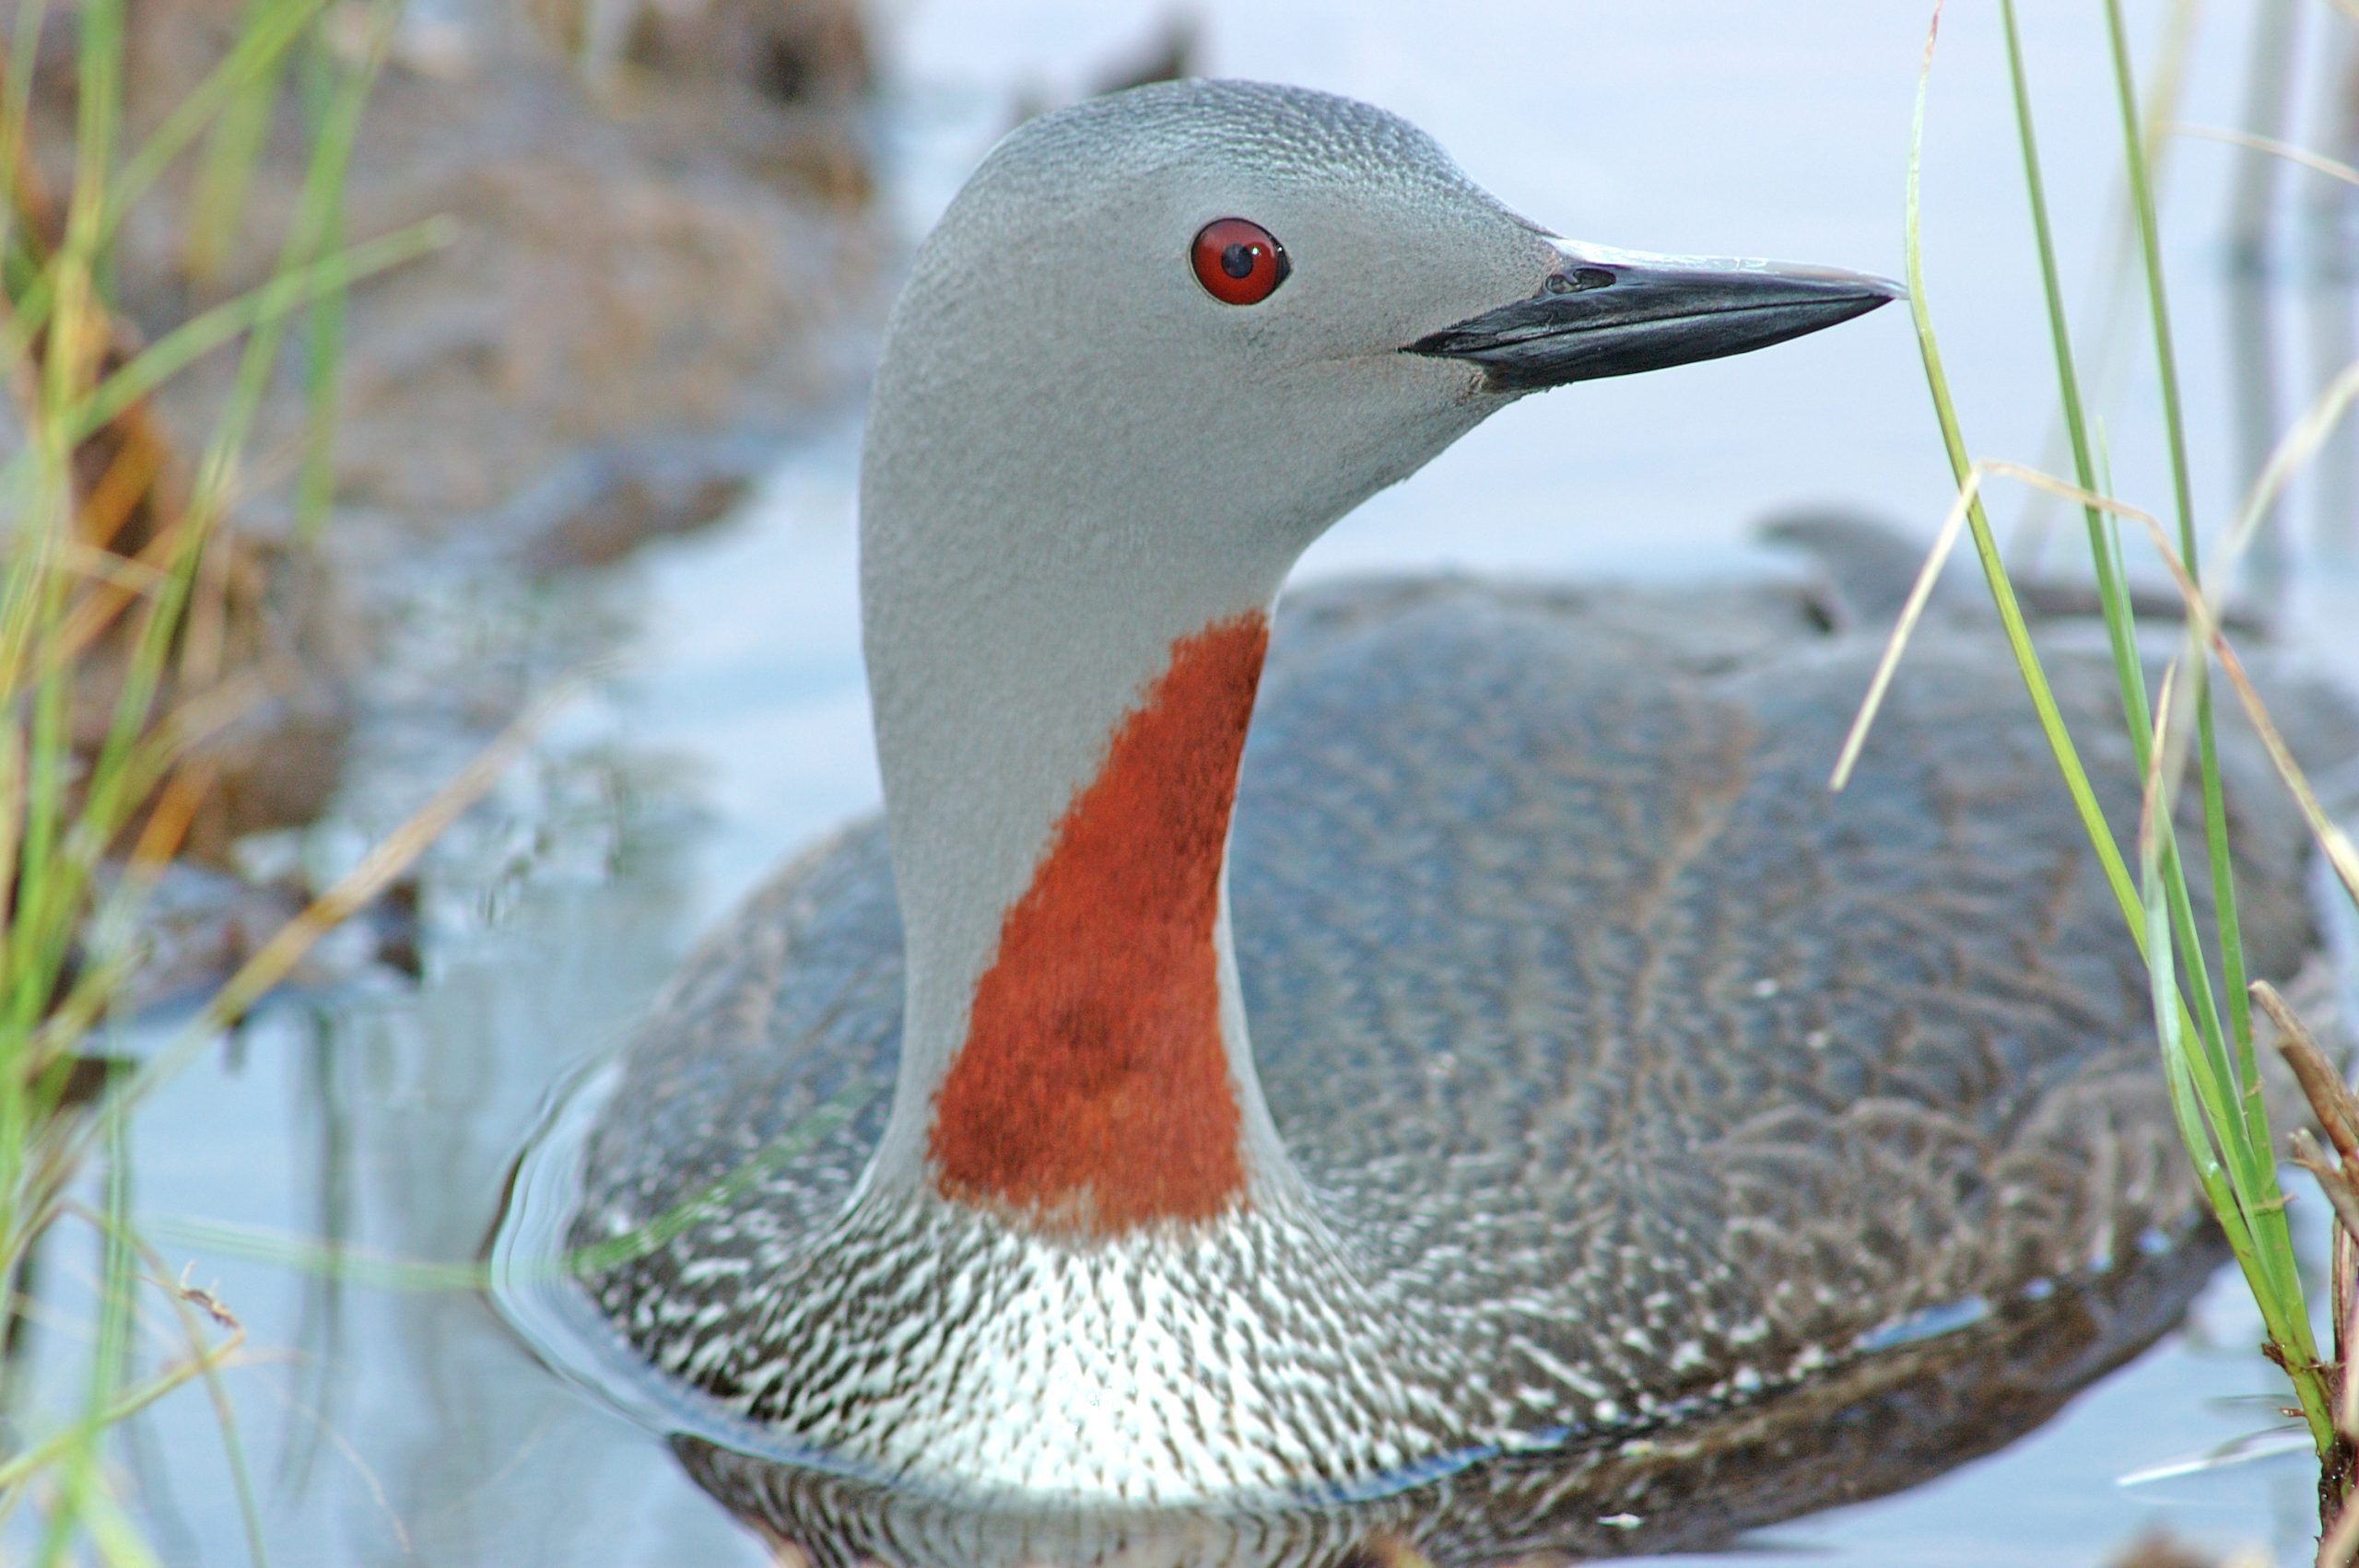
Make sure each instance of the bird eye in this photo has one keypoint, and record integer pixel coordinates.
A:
(1238, 262)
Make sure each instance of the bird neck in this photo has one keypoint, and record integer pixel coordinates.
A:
(1094, 1088)
(1059, 785)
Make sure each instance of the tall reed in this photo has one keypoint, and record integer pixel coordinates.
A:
(2206, 1035)
(105, 529)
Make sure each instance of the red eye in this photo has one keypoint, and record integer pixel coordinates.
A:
(1238, 262)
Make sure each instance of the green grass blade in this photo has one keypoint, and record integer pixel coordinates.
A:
(255, 53)
(247, 68)
(217, 205)
(2120, 629)
(15, 103)
(2134, 137)
(271, 302)
(2236, 1172)
(65, 803)
(1986, 548)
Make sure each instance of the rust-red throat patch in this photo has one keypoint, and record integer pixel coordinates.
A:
(1093, 1089)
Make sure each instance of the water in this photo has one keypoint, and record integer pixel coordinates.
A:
(407, 1425)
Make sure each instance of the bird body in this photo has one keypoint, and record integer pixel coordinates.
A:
(1624, 1072)
(1297, 1053)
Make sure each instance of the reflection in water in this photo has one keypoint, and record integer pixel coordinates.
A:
(1882, 1426)
(2312, 242)
(2329, 243)
(2252, 314)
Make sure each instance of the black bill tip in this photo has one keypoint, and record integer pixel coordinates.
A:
(1618, 315)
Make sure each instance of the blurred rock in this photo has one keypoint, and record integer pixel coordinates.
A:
(2160, 1548)
(198, 926)
(601, 507)
(673, 244)
(661, 261)
(1176, 51)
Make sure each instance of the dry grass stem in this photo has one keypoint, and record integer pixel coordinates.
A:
(2293, 450)
(2331, 167)
(1911, 611)
(392, 856)
(1921, 592)
(2335, 844)
(2337, 1110)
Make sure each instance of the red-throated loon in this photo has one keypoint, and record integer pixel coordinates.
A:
(1540, 1053)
